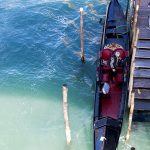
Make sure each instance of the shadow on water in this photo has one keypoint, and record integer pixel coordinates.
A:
(85, 75)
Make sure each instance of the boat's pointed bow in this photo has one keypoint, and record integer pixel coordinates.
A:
(99, 138)
(106, 137)
(115, 11)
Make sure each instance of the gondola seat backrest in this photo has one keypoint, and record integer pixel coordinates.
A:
(106, 55)
(105, 77)
(119, 77)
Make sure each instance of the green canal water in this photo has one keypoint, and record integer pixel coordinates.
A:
(39, 49)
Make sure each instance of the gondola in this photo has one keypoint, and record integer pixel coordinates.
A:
(112, 79)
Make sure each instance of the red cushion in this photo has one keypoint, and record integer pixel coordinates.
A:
(106, 68)
(105, 77)
(106, 54)
(119, 77)
(119, 69)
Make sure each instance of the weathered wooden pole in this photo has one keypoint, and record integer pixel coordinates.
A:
(130, 117)
(82, 35)
(135, 24)
(131, 94)
(132, 67)
(66, 119)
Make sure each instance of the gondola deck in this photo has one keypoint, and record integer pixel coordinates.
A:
(113, 102)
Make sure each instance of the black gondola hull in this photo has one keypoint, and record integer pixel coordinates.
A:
(109, 109)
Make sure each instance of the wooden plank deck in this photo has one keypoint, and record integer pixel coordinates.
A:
(141, 105)
(144, 34)
(141, 75)
(143, 22)
(144, 3)
(141, 83)
(143, 94)
(142, 63)
(143, 12)
(143, 54)
(143, 44)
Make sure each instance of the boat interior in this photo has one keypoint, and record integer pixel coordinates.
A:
(112, 78)
(117, 34)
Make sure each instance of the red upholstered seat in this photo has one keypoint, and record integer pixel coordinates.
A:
(106, 68)
(106, 54)
(119, 78)
(119, 69)
(105, 77)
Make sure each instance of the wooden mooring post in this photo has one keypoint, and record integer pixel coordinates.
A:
(132, 67)
(130, 117)
(134, 27)
(131, 93)
(66, 118)
(82, 35)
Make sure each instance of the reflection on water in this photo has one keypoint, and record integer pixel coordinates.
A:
(40, 50)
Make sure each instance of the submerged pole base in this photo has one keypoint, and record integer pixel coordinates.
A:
(82, 59)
